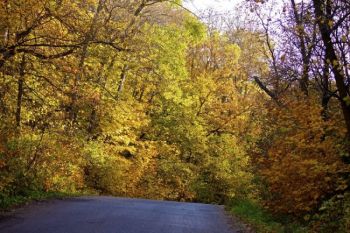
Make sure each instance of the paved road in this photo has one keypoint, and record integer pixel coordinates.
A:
(116, 215)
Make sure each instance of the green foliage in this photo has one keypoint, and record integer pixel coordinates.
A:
(226, 174)
(195, 29)
(254, 214)
(333, 215)
(105, 172)
(8, 202)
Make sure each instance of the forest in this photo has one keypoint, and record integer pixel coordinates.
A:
(144, 99)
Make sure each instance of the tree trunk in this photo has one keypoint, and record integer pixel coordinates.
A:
(90, 35)
(20, 94)
(323, 21)
(325, 91)
(122, 80)
(304, 81)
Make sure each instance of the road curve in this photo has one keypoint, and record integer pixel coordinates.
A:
(117, 215)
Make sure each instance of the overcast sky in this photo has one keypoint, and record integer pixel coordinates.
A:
(219, 5)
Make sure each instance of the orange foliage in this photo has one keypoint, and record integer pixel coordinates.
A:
(302, 165)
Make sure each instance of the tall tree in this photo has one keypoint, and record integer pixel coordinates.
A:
(324, 16)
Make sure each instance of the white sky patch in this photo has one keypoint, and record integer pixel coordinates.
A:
(218, 5)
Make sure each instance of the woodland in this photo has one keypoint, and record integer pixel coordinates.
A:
(144, 99)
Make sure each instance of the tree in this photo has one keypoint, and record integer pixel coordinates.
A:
(327, 25)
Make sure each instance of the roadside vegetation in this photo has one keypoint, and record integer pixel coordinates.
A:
(144, 99)
(261, 220)
(10, 202)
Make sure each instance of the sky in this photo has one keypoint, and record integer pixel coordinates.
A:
(219, 5)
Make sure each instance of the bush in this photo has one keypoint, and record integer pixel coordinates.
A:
(39, 163)
(252, 212)
(333, 215)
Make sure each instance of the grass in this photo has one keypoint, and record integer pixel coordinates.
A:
(256, 217)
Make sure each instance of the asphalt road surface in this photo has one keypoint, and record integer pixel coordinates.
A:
(117, 215)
